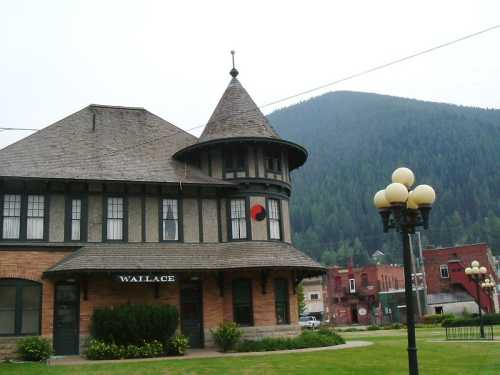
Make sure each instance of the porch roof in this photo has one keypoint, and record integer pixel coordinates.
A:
(185, 257)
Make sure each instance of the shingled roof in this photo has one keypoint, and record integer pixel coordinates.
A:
(237, 115)
(185, 256)
(105, 143)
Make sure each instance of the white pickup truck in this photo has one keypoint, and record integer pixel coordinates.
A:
(309, 322)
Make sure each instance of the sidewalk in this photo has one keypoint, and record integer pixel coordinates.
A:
(201, 353)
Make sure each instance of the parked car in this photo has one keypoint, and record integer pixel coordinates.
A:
(309, 322)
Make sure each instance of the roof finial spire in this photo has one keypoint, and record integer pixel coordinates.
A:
(234, 72)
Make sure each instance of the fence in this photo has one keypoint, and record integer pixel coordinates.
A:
(469, 333)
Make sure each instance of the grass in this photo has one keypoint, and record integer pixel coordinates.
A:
(386, 357)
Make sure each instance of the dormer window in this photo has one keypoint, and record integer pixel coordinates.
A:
(272, 160)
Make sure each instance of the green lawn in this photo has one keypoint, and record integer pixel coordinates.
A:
(386, 357)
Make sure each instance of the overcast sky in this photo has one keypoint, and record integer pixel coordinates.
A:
(172, 57)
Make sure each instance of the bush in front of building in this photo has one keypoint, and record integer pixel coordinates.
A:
(436, 318)
(134, 324)
(307, 339)
(226, 335)
(98, 350)
(490, 319)
(373, 328)
(178, 345)
(34, 348)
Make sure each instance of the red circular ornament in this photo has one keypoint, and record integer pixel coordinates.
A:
(258, 212)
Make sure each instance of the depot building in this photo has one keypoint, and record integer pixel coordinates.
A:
(115, 205)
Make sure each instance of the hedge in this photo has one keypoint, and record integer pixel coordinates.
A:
(307, 339)
(436, 318)
(490, 319)
(134, 324)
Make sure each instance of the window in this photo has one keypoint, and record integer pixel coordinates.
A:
(169, 220)
(234, 159)
(274, 218)
(238, 219)
(314, 296)
(242, 302)
(272, 160)
(11, 216)
(281, 301)
(35, 217)
(76, 218)
(364, 280)
(352, 286)
(443, 270)
(23, 217)
(115, 219)
(20, 302)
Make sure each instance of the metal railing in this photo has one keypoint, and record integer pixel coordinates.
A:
(469, 333)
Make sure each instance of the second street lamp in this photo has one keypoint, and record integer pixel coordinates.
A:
(405, 210)
(477, 274)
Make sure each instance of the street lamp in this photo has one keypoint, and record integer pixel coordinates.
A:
(477, 274)
(489, 287)
(405, 210)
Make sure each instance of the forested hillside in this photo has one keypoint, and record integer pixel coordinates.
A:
(355, 141)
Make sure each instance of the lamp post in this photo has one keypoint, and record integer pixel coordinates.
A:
(477, 274)
(405, 210)
(489, 287)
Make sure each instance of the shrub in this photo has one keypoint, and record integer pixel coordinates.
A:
(97, 349)
(227, 335)
(307, 339)
(373, 328)
(436, 318)
(34, 348)
(178, 345)
(134, 324)
(490, 319)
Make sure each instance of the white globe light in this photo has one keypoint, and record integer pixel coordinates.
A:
(474, 263)
(424, 194)
(475, 270)
(404, 176)
(483, 270)
(380, 201)
(410, 203)
(396, 193)
(468, 271)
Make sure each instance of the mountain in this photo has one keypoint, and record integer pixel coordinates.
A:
(356, 140)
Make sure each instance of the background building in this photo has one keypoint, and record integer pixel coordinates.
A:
(314, 297)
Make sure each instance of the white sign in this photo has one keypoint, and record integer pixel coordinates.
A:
(362, 311)
(145, 278)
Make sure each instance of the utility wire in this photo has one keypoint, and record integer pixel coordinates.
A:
(349, 77)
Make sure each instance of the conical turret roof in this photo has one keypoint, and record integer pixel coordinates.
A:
(237, 116)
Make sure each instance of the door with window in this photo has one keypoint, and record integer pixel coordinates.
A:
(66, 319)
(192, 313)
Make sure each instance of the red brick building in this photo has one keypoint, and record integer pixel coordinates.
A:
(353, 293)
(448, 288)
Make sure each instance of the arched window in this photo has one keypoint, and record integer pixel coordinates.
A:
(20, 307)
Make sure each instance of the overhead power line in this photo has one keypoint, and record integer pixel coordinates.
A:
(309, 91)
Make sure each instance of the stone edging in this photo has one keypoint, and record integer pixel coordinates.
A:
(203, 354)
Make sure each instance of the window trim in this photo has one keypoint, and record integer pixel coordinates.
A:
(444, 267)
(83, 217)
(180, 229)
(287, 302)
(280, 219)
(19, 283)
(23, 221)
(105, 217)
(247, 219)
(250, 288)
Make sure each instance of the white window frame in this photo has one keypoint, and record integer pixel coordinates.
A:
(11, 212)
(352, 285)
(76, 219)
(115, 219)
(274, 218)
(174, 205)
(35, 217)
(238, 219)
(443, 267)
